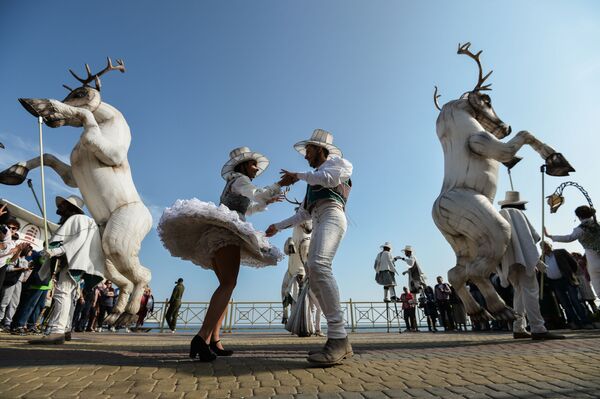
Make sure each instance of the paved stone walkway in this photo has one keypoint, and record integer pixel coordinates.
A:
(408, 365)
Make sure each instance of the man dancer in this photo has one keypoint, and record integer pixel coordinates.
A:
(416, 278)
(328, 188)
(519, 264)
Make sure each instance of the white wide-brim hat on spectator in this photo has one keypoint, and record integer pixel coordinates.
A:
(387, 244)
(72, 200)
(407, 248)
(240, 155)
(320, 138)
(512, 198)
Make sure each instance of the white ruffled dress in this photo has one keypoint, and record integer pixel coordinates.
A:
(194, 230)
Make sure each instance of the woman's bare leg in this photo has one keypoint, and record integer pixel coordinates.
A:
(216, 333)
(226, 267)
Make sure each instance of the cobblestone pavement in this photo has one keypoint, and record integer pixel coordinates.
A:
(419, 365)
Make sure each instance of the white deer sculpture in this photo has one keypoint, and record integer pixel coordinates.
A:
(99, 168)
(470, 133)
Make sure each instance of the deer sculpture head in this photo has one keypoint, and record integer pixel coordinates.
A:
(479, 103)
(85, 96)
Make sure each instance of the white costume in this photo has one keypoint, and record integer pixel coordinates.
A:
(193, 229)
(386, 272)
(329, 227)
(81, 243)
(518, 266)
(296, 247)
(416, 278)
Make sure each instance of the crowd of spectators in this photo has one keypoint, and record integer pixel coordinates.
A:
(26, 297)
(568, 300)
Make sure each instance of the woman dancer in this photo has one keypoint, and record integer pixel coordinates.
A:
(220, 239)
(588, 235)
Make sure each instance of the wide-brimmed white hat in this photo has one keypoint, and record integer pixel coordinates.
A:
(240, 155)
(73, 200)
(512, 198)
(407, 248)
(387, 244)
(320, 138)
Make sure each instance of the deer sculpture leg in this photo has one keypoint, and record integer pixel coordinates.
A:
(479, 236)
(16, 174)
(125, 288)
(121, 243)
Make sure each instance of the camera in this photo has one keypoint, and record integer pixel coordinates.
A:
(3, 229)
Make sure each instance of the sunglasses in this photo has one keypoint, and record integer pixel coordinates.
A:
(13, 227)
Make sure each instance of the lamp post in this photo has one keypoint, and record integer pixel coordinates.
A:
(555, 165)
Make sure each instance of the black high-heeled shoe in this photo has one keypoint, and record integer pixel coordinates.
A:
(201, 349)
(218, 351)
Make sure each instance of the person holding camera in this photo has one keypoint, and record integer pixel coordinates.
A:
(8, 241)
(17, 271)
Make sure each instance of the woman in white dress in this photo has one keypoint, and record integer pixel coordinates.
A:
(220, 239)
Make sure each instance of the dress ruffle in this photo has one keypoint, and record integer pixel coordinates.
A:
(193, 230)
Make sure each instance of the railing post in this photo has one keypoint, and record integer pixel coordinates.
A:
(231, 304)
(351, 316)
(163, 316)
(224, 322)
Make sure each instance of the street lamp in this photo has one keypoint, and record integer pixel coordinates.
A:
(555, 165)
(556, 199)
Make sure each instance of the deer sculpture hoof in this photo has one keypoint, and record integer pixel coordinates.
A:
(126, 319)
(506, 314)
(14, 175)
(481, 315)
(45, 109)
(112, 318)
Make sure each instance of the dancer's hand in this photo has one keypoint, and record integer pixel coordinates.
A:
(546, 232)
(271, 231)
(3, 210)
(288, 178)
(277, 198)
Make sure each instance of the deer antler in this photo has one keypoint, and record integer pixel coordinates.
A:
(435, 98)
(96, 77)
(295, 201)
(464, 49)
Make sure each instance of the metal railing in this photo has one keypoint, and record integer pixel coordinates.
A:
(245, 315)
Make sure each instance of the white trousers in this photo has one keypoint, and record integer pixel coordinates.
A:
(526, 300)
(593, 266)
(63, 303)
(315, 311)
(329, 227)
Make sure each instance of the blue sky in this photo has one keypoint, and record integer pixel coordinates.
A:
(205, 77)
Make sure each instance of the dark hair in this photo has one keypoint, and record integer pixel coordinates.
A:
(14, 222)
(584, 212)
(326, 152)
(239, 168)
